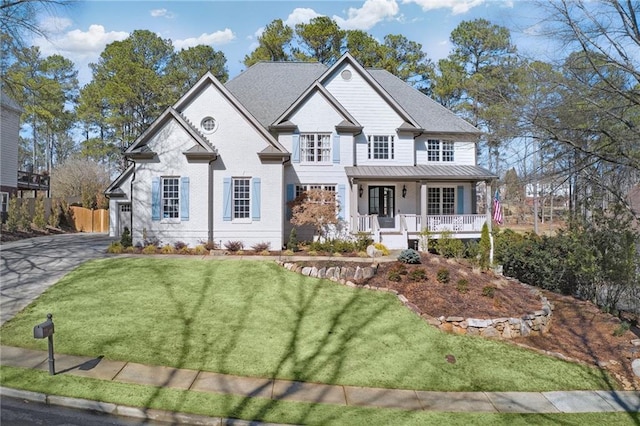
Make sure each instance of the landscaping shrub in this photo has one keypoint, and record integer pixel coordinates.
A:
(200, 249)
(382, 248)
(488, 291)
(150, 249)
(443, 275)
(179, 245)
(288, 253)
(418, 274)
(363, 240)
(621, 329)
(333, 246)
(472, 251)
(115, 248)
(24, 218)
(13, 214)
(449, 247)
(462, 286)
(263, 246)
(54, 215)
(234, 246)
(125, 238)
(210, 245)
(167, 249)
(394, 276)
(409, 256)
(484, 260)
(39, 219)
(292, 244)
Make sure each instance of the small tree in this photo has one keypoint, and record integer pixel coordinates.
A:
(485, 247)
(54, 215)
(39, 218)
(292, 244)
(13, 214)
(316, 207)
(24, 218)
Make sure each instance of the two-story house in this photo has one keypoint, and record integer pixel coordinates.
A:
(223, 162)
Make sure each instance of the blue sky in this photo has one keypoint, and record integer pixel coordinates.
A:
(81, 31)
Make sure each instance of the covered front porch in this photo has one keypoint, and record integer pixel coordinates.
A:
(396, 205)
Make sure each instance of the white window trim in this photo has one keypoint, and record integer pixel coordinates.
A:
(164, 219)
(235, 219)
(371, 147)
(4, 202)
(440, 202)
(441, 151)
(317, 138)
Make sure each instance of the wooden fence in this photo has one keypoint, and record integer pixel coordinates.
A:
(87, 220)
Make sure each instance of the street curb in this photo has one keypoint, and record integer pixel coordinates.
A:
(126, 411)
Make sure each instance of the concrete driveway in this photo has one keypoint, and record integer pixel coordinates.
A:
(31, 266)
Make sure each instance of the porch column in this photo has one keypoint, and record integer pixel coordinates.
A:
(423, 204)
(489, 199)
(353, 206)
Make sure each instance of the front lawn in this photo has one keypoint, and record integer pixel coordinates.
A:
(255, 318)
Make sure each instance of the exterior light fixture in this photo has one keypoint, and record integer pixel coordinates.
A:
(404, 191)
(360, 190)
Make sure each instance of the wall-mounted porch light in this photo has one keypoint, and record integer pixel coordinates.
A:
(404, 191)
(360, 190)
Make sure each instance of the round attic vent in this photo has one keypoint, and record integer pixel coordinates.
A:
(209, 124)
(346, 75)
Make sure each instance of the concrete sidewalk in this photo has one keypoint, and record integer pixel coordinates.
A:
(285, 390)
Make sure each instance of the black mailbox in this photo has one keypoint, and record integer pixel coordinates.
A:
(43, 330)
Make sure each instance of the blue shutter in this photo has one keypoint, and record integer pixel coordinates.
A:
(341, 198)
(336, 148)
(155, 198)
(184, 198)
(255, 199)
(290, 197)
(295, 148)
(461, 200)
(226, 199)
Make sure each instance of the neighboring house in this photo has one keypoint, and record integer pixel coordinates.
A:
(222, 162)
(9, 141)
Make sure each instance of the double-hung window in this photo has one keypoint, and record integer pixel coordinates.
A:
(170, 198)
(380, 147)
(441, 201)
(4, 202)
(438, 150)
(315, 147)
(241, 198)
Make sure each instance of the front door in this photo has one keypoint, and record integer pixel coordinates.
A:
(124, 217)
(381, 202)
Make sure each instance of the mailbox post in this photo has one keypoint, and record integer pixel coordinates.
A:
(43, 330)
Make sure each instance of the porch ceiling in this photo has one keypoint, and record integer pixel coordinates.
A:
(430, 172)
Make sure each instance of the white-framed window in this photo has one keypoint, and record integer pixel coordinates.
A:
(125, 207)
(170, 197)
(4, 202)
(441, 201)
(437, 150)
(241, 198)
(380, 147)
(315, 147)
(306, 187)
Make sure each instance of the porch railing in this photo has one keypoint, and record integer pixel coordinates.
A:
(412, 223)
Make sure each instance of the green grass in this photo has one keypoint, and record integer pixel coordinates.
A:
(276, 411)
(255, 318)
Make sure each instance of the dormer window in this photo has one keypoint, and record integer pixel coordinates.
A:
(209, 124)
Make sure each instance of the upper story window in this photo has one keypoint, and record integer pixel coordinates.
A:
(241, 198)
(380, 147)
(438, 150)
(170, 197)
(315, 147)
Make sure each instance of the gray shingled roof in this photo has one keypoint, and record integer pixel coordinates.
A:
(431, 116)
(267, 89)
(429, 171)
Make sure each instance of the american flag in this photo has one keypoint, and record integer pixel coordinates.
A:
(497, 209)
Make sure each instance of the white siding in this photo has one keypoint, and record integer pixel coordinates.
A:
(464, 153)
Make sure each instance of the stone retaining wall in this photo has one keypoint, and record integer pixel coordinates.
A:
(536, 323)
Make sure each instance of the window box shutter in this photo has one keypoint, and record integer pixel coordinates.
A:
(341, 198)
(295, 155)
(226, 199)
(461, 200)
(184, 198)
(290, 196)
(255, 199)
(336, 149)
(155, 198)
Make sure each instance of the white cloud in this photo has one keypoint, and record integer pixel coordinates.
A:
(300, 16)
(161, 13)
(457, 6)
(371, 12)
(217, 38)
(55, 24)
(77, 43)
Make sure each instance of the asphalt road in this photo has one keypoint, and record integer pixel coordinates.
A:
(16, 412)
(31, 266)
